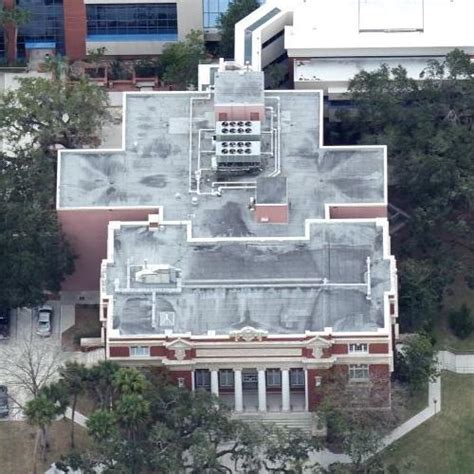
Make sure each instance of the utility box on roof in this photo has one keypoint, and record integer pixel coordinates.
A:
(271, 200)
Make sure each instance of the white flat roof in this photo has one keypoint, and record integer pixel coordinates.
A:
(325, 27)
(343, 69)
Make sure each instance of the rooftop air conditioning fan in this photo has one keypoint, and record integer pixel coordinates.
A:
(232, 124)
(232, 151)
(225, 124)
(248, 144)
(248, 124)
(240, 144)
(225, 151)
(240, 130)
(240, 124)
(248, 151)
(240, 151)
(248, 130)
(232, 144)
(232, 130)
(224, 144)
(225, 130)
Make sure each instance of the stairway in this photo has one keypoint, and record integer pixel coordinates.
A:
(305, 421)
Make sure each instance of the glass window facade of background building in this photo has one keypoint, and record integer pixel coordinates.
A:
(131, 20)
(212, 9)
(45, 26)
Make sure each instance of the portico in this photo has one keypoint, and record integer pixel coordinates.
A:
(259, 389)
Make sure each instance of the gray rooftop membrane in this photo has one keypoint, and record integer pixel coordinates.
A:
(272, 190)
(154, 168)
(281, 287)
(244, 87)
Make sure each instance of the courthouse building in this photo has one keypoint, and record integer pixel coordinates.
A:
(231, 247)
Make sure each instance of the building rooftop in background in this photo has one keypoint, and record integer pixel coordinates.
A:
(329, 41)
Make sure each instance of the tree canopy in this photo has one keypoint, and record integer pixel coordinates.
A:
(180, 60)
(238, 9)
(53, 112)
(428, 126)
(149, 425)
(34, 256)
(416, 363)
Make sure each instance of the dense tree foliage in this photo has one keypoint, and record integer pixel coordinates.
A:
(38, 117)
(34, 256)
(238, 9)
(416, 362)
(180, 60)
(461, 322)
(428, 126)
(53, 113)
(143, 423)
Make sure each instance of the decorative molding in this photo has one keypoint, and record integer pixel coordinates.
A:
(248, 333)
(179, 347)
(317, 344)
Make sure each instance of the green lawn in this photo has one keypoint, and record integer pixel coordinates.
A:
(444, 444)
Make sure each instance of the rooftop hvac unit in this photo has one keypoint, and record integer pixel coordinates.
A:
(156, 274)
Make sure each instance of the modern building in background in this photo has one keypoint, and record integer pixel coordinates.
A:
(228, 245)
(124, 28)
(329, 41)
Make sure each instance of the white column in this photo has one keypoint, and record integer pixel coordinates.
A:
(238, 406)
(285, 389)
(306, 398)
(262, 391)
(215, 382)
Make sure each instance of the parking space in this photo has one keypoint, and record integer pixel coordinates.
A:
(23, 325)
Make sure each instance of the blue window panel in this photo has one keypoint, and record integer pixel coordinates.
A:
(46, 24)
(146, 19)
(212, 9)
(40, 45)
(133, 37)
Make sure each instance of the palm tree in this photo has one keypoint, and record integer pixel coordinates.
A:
(41, 412)
(74, 377)
(100, 379)
(128, 381)
(10, 20)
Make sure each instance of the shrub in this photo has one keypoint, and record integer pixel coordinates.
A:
(469, 279)
(461, 322)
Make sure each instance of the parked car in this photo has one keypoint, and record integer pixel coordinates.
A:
(4, 322)
(45, 316)
(4, 410)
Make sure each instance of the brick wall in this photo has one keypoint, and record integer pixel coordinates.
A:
(75, 29)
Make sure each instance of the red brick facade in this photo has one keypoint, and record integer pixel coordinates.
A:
(119, 351)
(75, 29)
(86, 231)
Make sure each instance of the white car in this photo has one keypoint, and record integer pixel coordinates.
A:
(45, 315)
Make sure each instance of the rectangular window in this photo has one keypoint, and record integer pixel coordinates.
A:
(140, 351)
(45, 25)
(202, 378)
(226, 378)
(358, 349)
(133, 20)
(358, 372)
(297, 378)
(273, 377)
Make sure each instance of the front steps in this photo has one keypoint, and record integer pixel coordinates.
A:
(304, 420)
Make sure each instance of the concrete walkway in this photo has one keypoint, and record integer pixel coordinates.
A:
(79, 418)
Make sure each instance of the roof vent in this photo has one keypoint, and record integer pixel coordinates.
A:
(156, 274)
